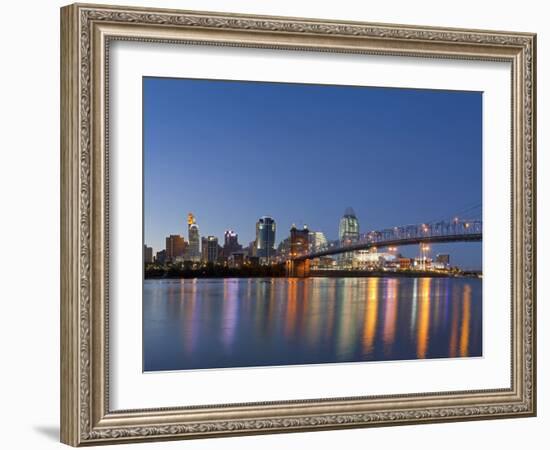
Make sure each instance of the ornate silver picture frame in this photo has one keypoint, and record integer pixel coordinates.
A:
(87, 32)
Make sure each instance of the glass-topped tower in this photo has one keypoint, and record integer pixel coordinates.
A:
(349, 227)
(265, 238)
(348, 232)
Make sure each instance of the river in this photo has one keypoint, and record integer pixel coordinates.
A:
(243, 322)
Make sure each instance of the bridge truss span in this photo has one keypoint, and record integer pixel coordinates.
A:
(438, 232)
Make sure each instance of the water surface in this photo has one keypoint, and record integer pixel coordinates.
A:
(215, 323)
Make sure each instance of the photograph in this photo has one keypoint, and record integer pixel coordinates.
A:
(284, 219)
(297, 224)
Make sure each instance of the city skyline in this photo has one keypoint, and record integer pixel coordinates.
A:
(231, 244)
(206, 144)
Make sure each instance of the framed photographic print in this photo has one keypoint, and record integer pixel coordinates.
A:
(275, 224)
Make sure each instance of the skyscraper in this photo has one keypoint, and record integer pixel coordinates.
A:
(317, 240)
(265, 238)
(231, 243)
(193, 251)
(175, 247)
(147, 254)
(348, 230)
(160, 257)
(210, 249)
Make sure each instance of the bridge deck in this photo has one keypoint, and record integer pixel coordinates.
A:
(365, 245)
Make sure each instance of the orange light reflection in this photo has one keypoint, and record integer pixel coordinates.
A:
(423, 319)
(465, 326)
(390, 316)
(371, 315)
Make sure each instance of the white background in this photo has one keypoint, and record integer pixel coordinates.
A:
(29, 178)
(132, 389)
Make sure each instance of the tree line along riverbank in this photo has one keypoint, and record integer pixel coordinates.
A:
(279, 271)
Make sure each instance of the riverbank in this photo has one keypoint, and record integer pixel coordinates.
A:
(211, 271)
(278, 272)
(386, 274)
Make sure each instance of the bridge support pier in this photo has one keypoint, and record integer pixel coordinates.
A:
(297, 268)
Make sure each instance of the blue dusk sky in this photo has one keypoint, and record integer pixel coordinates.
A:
(231, 151)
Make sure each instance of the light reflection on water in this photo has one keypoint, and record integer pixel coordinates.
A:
(214, 323)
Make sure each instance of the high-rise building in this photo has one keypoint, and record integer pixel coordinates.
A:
(193, 250)
(175, 247)
(231, 243)
(265, 238)
(348, 230)
(299, 241)
(251, 249)
(210, 249)
(147, 254)
(283, 249)
(317, 241)
(160, 257)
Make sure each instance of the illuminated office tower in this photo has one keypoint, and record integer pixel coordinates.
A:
(265, 238)
(210, 249)
(193, 251)
(317, 241)
(348, 232)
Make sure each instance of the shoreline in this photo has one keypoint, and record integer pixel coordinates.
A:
(322, 274)
(377, 274)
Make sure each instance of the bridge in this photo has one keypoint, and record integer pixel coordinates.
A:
(438, 232)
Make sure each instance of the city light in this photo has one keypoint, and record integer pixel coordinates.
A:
(311, 250)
